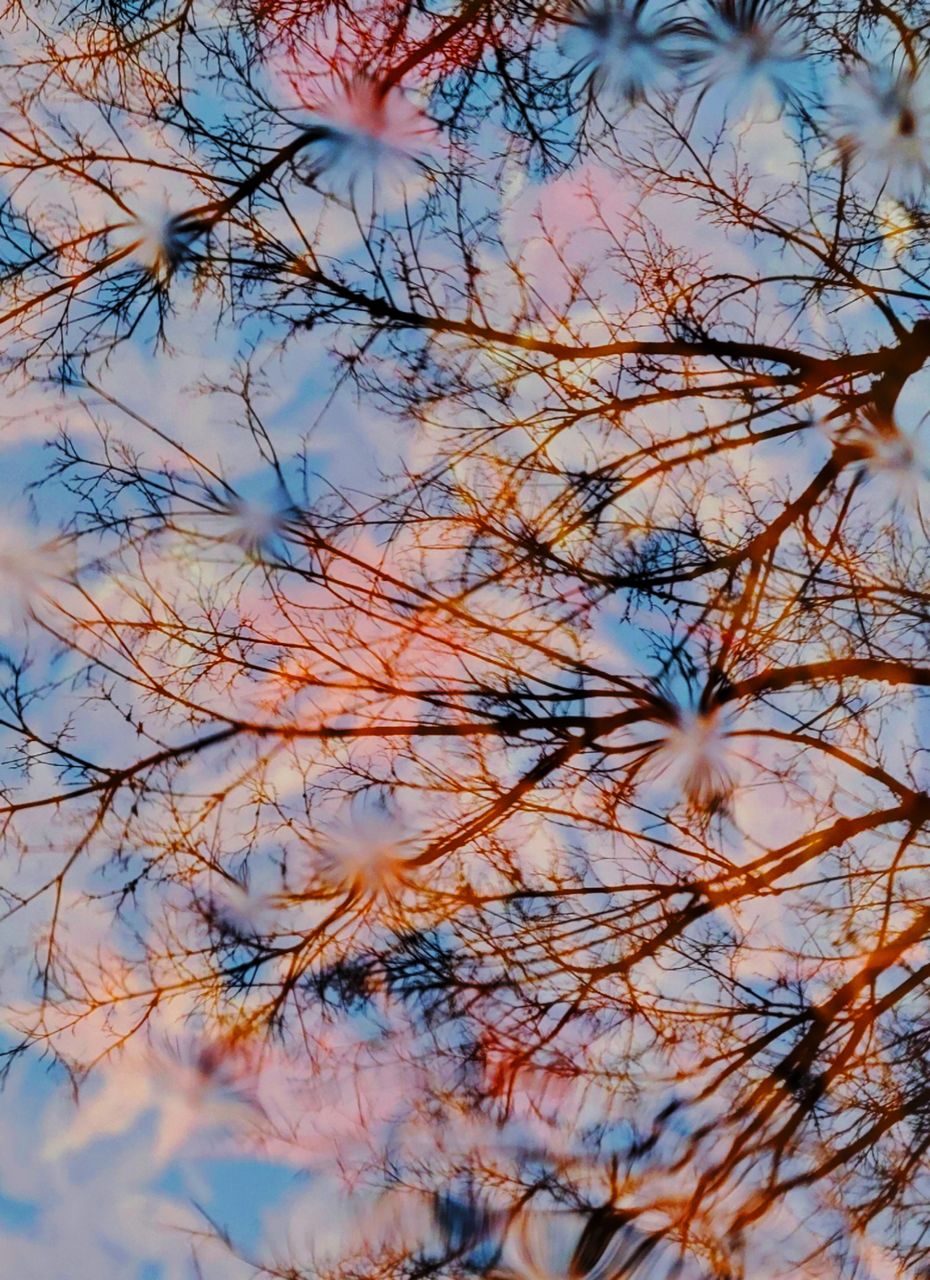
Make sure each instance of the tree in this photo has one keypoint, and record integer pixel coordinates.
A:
(555, 790)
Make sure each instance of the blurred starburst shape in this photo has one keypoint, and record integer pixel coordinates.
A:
(257, 524)
(756, 47)
(240, 910)
(696, 756)
(367, 853)
(881, 126)
(896, 462)
(29, 570)
(375, 140)
(623, 51)
(190, 1083)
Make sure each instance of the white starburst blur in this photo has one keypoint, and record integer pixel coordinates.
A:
(375, 142)
(882, 126)
(696, 756)
(897, 465)
(254, 524)
(157, 241)
(621, 50)
(756, 48)
(29, 571)
(241, 910)
(192, 1086)
(367, 853)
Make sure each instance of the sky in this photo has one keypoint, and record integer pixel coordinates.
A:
(140, 1172)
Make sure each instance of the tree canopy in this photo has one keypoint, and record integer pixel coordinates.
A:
(466, 639)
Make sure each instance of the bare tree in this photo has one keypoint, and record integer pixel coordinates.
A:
(571, 770)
